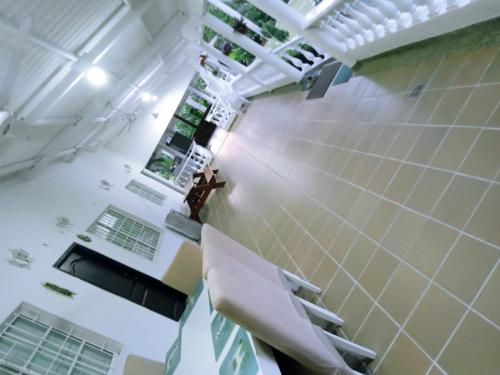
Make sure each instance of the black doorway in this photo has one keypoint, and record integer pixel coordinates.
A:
(123, 281)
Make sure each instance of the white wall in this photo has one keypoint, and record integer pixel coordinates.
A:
(138, 143)
(28, 211)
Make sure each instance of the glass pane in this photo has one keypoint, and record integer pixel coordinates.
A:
(184, 128)
(20, 353)
(41, 361)
(7, 371)
(95, 357)
(60, 367)
(27, 329)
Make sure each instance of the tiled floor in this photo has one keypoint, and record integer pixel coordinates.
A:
(387, 200)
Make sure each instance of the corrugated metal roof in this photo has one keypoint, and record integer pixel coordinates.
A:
(68, 24)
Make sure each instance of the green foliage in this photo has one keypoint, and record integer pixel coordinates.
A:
(184, 128)
(162, 166)
(190, 113)
(263, 20)
(199, 83)
(270, 30)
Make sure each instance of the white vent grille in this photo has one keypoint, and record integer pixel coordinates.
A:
(127, 231)
(146, 192)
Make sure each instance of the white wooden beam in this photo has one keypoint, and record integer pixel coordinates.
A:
(15, 59)
(9, 26)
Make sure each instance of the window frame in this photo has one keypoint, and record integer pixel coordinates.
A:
(61, 327)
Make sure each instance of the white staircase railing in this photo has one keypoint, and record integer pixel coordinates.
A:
(301, 54)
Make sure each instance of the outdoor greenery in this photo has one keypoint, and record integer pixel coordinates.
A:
(162, 165)
(261, 19)
(199, 83)
(267, 24)
(232, 50)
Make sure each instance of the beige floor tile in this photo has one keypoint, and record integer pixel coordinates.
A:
(318, 221)
(429, 141)
(378, 271)
(454, 148)
(434, 320)
(473, 349)
(324, 273)
(446, 71)
(362, 209)
(406, 138)
(428, 190)
(425, 106)
(385, 139)
(484, 158)
(359, 256)
(366, 170)
(405, 77)
(466, 268)
(459, 199)
(329, 231)
(343, 242)
(492, 74)
(403, 292)
(424, 72)
(430, 247)
(487, 302)
(404, 357)
(403, 231)
(377, 333)
(336, 293)
(311, 261)
(383, 175)
(480, 105)
(474, 66)
(403, 183)
(350, 196)
(379, 221)
(450, 105)
(302, 248)
(436, 371)
(355, 309)
(494, 121)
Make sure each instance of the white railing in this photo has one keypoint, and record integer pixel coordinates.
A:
(221, 114)
(301, 54)
(195, 161)
(369, 27)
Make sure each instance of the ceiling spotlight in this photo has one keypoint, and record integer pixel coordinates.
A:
(97, 76)
(148, 97)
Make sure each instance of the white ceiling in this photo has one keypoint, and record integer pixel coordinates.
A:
(136, 41)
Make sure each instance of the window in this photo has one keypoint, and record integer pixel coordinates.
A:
(32, 341)
(146, 192)
(127, 231)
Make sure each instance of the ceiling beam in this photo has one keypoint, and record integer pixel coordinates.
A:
(9, 26)
(16, 56)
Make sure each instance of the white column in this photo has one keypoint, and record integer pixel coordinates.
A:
(297, 23)
(254, 48)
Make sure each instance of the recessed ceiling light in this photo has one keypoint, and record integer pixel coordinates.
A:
(148, 97)
(97, 76)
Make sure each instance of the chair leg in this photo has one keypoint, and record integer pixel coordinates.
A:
(297, 282)
(350, 347)
(320, 312)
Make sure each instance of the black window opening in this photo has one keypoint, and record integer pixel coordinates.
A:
(123, 281)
